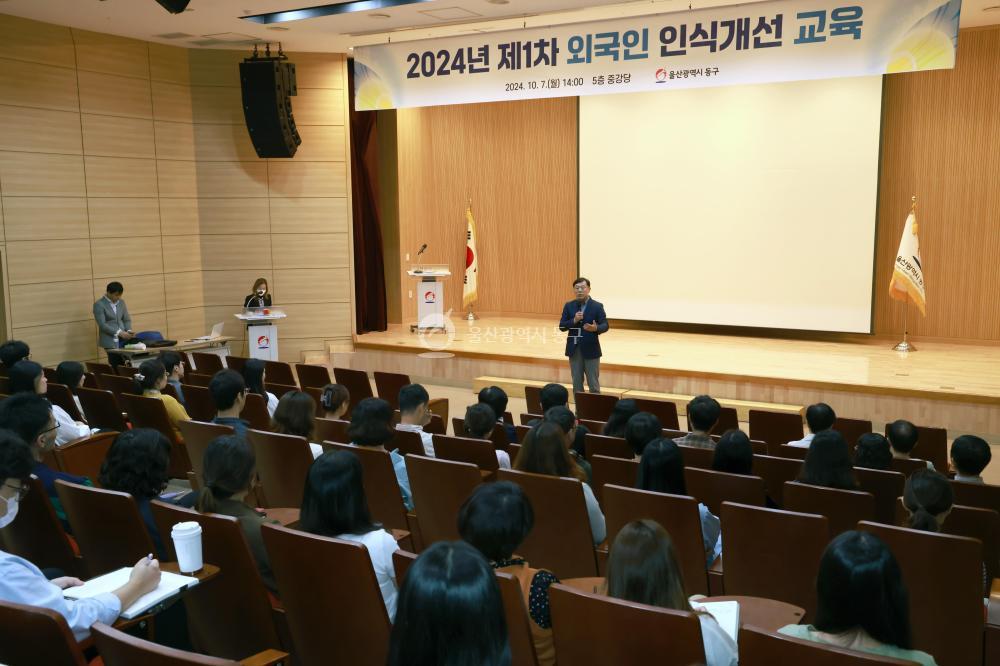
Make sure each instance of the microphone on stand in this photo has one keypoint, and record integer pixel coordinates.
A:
(416, 268)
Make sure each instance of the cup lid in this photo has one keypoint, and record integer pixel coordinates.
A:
(190, 527)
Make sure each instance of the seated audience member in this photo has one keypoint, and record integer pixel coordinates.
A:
(623, 410)
(415, 413)
(862, 601)
(371, 426)
(544, 451)
(553, 395)
(496, 398)
(702, 415)
(71, 375)
(28, 377)
(11, 352)
(819, 417)
(903, 437)
(228, 471)
(254, 375)
(137, 464)
(174, 365)
(661, 470)
(970, 455)
(642, 429)
(22, 582)
(335, 401)
(450, 612)
(480, 419)
(296, 415)
(149, 381)
(229, 393)
(334, 505)
(566, 420)
(828, 463)
(873, 452)
(733, 454)
(643, 568)
(495, 520)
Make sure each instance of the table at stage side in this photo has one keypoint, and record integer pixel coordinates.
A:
(218, 346)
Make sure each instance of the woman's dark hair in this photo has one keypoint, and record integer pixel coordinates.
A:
(970, 454)
(860, 585)
(643, 567)
(23, 375)
(137, 463)
(69, 374)
(260, 281)
(642, 429)
(16, 461)
(449, 611)
(661, 469)
(150, 372)
(334, 500)
(828, 462)
(873, 452)
(623, 410)
(227, 469)
(295, 415)
(496, 519)
(926, 495)
(371, 423)
(334, 395)
(733, 453)
(480, 419)
(13, 351)
(253, 375)
(544, 451)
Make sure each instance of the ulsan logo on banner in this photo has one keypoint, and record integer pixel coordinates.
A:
(429, 297)
(661, 75)
(263, 342)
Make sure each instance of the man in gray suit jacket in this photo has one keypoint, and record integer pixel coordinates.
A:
(113, 320)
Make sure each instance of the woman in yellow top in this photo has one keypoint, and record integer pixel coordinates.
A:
(150, 379)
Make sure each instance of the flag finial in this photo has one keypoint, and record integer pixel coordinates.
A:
(913, 205)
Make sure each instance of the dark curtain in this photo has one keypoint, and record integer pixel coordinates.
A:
(369, 266)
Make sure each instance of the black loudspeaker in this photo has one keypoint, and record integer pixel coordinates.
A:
(174, 6)
(267, 106)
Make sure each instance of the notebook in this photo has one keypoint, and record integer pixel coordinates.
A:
(170, 584)
(726, 613)
(216, 333)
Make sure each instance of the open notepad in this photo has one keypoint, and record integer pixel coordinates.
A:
(726, 613)
(170, 584)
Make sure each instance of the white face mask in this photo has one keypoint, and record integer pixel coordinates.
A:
(12, 505)
(260, 292)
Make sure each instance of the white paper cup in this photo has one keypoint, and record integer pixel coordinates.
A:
(187, 543)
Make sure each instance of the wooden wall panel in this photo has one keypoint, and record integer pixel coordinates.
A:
(181, 253)
(312, 285)
(38, 86)
(178, 217)
(143, 293)
(213, 104)
(244, 217)
(169, 63)
(308, 179)
(132, 255)
(309, 250)
(39, 130)
(112, 136)
(230, 287)
(119, 217)
(112, 95)
(183, 290)
(100, 52)
(34, 41)
(171, 101)
(38, 174)
(33, 262)
(51, 344)
(309, 215)
(232, 179)
(120, 177)
(51, 302)
(322, 143)
(65, 217)
(221, 252)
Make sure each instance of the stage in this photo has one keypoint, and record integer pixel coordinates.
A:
(943, 384)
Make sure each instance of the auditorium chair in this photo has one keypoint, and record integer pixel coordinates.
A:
(479, 452)
(388, 385)
(694, 456)
(236, 362)
(522, 432)
(237, 593)
(332, 430)
(439, 489)
(592, 425)
(528, 418)
(775, 428)
(402, 560)
(198, 402)
(728, 420)
(279, 372)
(533, 398)
(764, 648)
(852, 430)
(844, 509)
(331, 597)
(35, 635)
(932, 444)
(60, 395)
(597, 629)
(50, 375)
(206, 363)
(255, 412)
(594, 406)
(514, 450)
(279, 389)
(611, 469)
(116, 384)
(407, 442)
(118, 648)
(317, 395)
(943, 574)
(665, 411)
(99, 368)
(312, 376)
(772, 553)
(385, 501)
(602, 445)
(438, 425)
(793, 452)
(197, 436)
(172, 392)
(677, 514)
(673, 434)
(758, 447)
(151, 413)
(101, 409)
(886, 487)
(561, 540)
(90, 380)
(126, 371)
(775, 471)
(283, 463)
(357, 384)
(967, 521)
(975, 494)
(84, 456)
(38, 536)
(907, 466)
(107, 526)
(712, 488)
(197, 378)
(498, 436)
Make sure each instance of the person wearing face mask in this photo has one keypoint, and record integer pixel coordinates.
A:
(260, 298)
(22, 582)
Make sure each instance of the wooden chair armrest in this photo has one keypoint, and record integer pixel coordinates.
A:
(264, 658)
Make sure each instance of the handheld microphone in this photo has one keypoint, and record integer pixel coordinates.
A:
(421, 250)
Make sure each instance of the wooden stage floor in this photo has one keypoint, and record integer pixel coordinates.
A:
(950, 385)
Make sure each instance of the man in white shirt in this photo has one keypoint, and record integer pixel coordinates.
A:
(415, 413)
(970, 455)
(819, 417)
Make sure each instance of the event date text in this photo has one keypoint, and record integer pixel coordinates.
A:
(543, 84)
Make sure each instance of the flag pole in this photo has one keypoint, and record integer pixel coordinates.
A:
(471, 316)
(905, 345)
